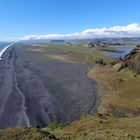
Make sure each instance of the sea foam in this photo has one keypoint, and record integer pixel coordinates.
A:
(4, 49)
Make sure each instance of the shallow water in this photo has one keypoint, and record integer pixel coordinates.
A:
(3, 45)
(125, 50)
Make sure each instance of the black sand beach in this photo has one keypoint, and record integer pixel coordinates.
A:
(35, 91)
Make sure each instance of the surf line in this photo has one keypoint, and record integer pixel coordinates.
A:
(4, 49)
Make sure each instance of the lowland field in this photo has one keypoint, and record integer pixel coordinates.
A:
(41, 83)
(70, 90)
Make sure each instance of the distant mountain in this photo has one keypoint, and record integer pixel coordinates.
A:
(100, 40)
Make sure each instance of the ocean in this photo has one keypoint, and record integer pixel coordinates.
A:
(3, 47)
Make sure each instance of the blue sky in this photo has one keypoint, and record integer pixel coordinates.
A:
(27, 17)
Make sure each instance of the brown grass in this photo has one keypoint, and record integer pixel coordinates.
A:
(25, 134)
(101, 127)
(120, 91)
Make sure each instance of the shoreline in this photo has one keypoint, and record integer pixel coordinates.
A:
(4, 49)
(53, 96)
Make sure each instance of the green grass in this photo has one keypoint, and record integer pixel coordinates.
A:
(76, 53)
(54, 125)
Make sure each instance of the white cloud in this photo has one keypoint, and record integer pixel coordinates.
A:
(132, 30)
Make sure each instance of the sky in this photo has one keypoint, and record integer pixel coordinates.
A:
(67, 18)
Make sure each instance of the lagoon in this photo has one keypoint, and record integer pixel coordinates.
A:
(125, 50)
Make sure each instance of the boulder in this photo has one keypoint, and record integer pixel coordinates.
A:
(100, 61)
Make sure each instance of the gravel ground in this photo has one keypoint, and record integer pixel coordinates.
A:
(36, 91)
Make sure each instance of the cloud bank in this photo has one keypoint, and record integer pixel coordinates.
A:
(131, 30)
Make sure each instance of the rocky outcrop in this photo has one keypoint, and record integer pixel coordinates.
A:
(132, 61)
(100, 61)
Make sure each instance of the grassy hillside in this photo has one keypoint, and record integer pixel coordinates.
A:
(120, 97)
(25, 134)
(101, 127)
(119, 91)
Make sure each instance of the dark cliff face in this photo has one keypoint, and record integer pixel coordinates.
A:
(133, 60)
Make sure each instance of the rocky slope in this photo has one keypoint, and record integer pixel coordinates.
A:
(132, 61)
